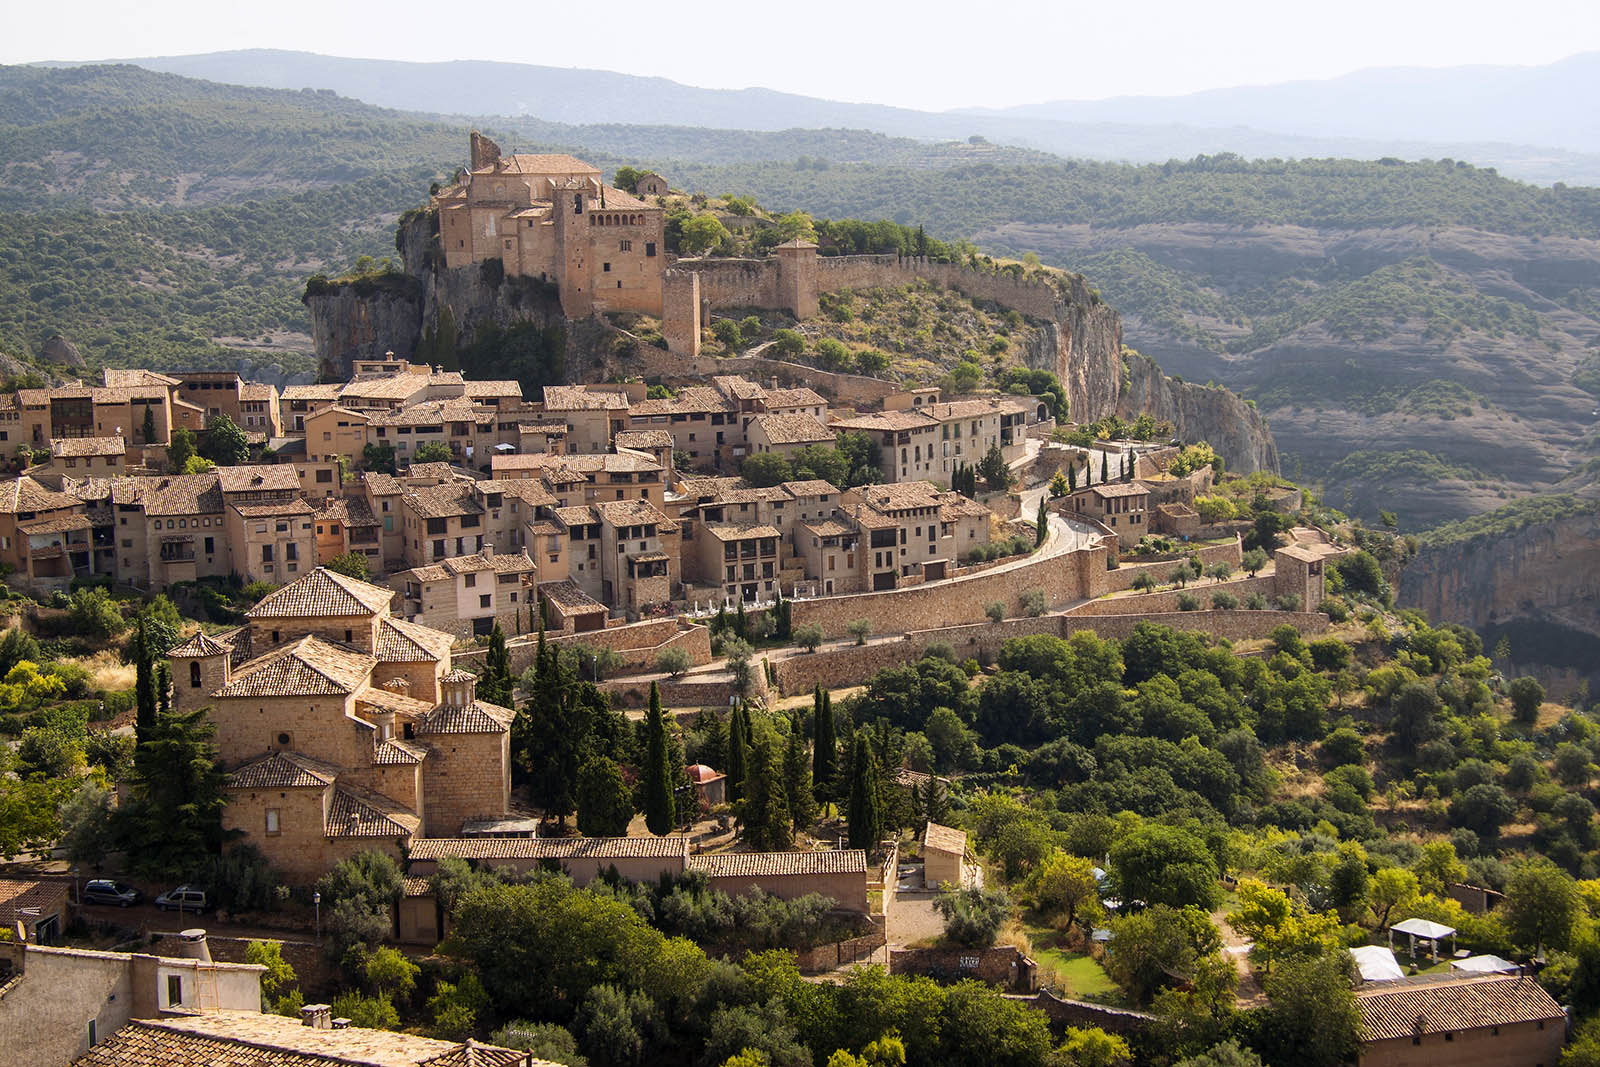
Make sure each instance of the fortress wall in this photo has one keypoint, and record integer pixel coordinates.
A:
(728, 283)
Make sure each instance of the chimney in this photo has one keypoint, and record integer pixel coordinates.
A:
(317, 1016)
(341, 1024)
(192, 946)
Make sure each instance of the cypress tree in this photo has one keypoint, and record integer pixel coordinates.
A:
(1105, 467)
(495, 686)
(934, 800)
(1042, 523)
(1072, 477)
(163, 690)
(144, 685)
(765, 810)
(148, 430)
(659, 816)
(1127, 468)
(738, 751)
(797, 780)
(866, 822)
(825, 751)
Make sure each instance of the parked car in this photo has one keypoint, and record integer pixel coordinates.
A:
(183, 898)
(106, 891)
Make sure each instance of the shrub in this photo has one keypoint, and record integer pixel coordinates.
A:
(1288, 602)
(973, 917)
(673, 661)
(1034, 603)
(1223, 600)
(1188, 602)
(1255, 602)
(1335, 609)
(808, 636)
(996, 610)
(859, 629)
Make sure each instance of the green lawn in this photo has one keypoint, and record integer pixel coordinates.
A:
(1082, 976)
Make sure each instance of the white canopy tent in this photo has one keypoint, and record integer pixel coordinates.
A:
(1427, 930)
(1484, 965)
(1376, 964)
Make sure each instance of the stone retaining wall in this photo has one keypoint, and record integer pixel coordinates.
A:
(1004, 965)
(637, 643)
(840, 953)
(1167, 599)
(1232, 625)
(1063, 1013)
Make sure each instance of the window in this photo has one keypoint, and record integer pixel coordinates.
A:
(349, 636)
(606, 268)
(327, 476)
(291, 551)
(272, 820)
(472, 580)
(483, 601)
(211, 545)
(649, 248)
(266, 553)
(174, 989)
(625, 246)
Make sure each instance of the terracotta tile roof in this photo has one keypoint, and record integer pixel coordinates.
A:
(443, 501)
(201, 644)
(387, 387)
(252, 1039)
(900, 496)
(55, 524)
(557, 848)
(16, 894)
(311, 392)
(576, 515)
(955, 506)
(829, 528)
(114, 377)
(394, 752)
(500, 563)
(494, 388)
(810, 487)
(413, 886)
(1118, 489)
(1404, 1010)
(576, 398)
(179, 494)
(350, 510)
(283, 770)
(379, 484)
(478, 717)
(944, 839)
(886, 421)
(433, 412)
(400, 641)
(323, 593)
(271, 510)
(394, 700)
(361, 813)
(690, 400)
(567, 595)
(736, 532)
(737, 387)
(801, 428)
(25, 494)
(546, 165)
(779, 864)
(746, 495)
(645, 439)
(802, 397)
(979, 407)
(258, 478)
(63, 447)
(257, 391)
(529, 490)
(634, 513)
(307, 667)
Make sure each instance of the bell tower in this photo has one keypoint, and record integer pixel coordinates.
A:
(200, 666)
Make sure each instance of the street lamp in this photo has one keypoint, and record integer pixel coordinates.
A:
(316, 900)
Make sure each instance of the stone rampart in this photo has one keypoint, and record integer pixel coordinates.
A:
(839, 953)
(1062, 579)
(637, 643)
(1167, 599)
(1063, 1013)
(1232, 625)
(1003, 965)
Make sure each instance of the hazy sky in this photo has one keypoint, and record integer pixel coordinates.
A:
(929, 55)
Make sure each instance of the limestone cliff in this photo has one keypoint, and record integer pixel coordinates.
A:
(1083, 346)
(1537, 584)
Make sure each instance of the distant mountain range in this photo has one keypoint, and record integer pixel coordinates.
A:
(1530, 122)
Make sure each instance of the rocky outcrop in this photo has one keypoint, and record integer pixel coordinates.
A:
(63, 352)
(1083, 346)
(350, 322)
(1538, 586)
(1207, 413)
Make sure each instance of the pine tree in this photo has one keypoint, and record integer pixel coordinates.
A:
(825, 747)
(1042, 523)
(797, 780)
(864, 816)
(738, 753)
(659, 816)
